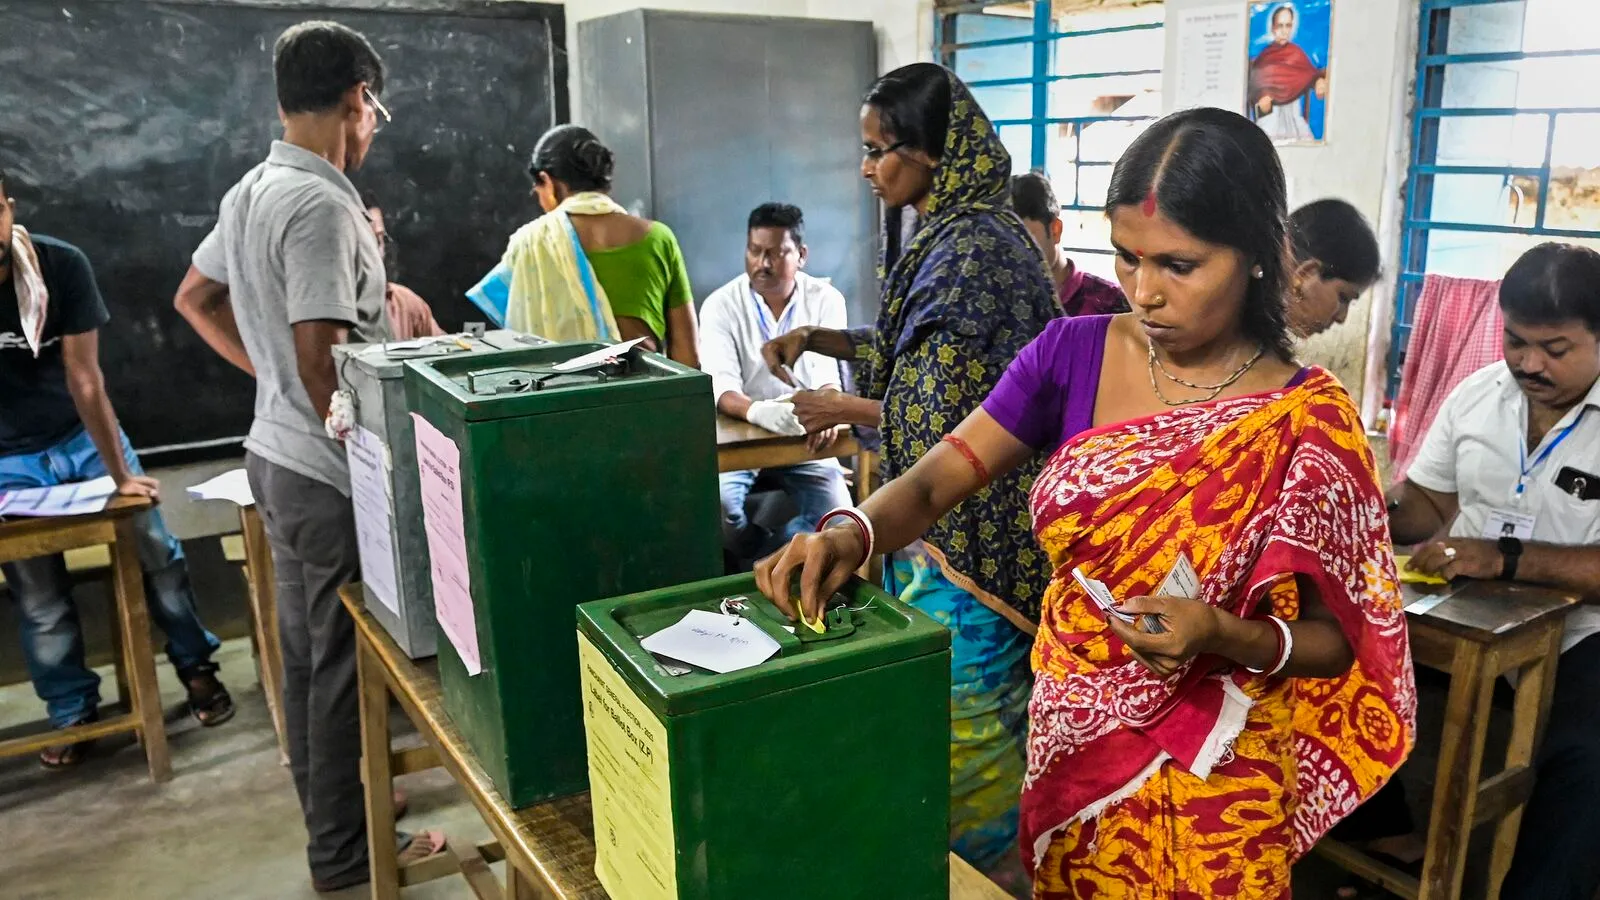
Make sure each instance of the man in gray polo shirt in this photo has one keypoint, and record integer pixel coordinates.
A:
(290, 270)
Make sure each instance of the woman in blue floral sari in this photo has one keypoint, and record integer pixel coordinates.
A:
(967, 293)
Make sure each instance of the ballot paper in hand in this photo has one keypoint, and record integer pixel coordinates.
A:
(597, 358)
(76, 499)
(1101, 595)
(714, 642)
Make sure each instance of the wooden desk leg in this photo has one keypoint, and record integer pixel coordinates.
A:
(866, 470)
(377, 775)
(261, 589)
(518, 887)
(118, 646)
(1535, 687)
(1455, 793)
(138, 652)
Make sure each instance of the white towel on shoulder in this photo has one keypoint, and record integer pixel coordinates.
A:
(33, 298)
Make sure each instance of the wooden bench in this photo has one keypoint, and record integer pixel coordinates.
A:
(113, 530)
(1476, 631)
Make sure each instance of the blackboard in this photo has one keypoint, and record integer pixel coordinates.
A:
(125, 122)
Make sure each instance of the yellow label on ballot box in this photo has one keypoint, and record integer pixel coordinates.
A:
(629, 785)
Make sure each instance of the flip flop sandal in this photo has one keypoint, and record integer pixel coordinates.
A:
(68, 756)
(414, 848)
(209, 701)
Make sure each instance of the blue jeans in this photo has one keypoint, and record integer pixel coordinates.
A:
(52, 641)
(816, 487)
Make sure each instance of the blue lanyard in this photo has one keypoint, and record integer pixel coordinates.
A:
(763, 314)
(1522, 450)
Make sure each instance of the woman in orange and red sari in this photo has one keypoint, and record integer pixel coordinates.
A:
(1260, 686)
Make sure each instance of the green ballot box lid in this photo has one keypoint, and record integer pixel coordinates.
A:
(535, 381)
(866, 628)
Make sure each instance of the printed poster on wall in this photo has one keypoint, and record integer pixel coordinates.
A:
(1210, 41)
(439, 474)
(1287, 93)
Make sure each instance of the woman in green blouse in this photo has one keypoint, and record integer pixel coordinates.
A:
(630, 281)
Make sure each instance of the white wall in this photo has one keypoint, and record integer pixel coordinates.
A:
(1372, 53)
(904, 27)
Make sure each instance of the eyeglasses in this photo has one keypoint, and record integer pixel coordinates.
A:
(878, 153)
(383, 112)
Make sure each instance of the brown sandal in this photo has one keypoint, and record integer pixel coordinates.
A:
(209, 701)
(414, 848)
(68, 756)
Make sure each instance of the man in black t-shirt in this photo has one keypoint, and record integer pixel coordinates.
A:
(57, 426)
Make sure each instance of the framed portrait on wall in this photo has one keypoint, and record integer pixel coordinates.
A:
(1287, 93)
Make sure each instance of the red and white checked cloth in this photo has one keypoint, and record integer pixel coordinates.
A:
(1456, 331)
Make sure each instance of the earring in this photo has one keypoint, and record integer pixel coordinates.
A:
(1258, 273)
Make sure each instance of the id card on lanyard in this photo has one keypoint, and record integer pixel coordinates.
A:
(1526, 468)
(769, 328)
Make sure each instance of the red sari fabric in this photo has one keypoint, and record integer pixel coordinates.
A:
(1282, 72)
(1255, 491)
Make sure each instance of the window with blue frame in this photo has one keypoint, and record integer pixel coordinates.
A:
(1069, 88)
(1505, 142)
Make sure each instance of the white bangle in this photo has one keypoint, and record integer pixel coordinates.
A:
(1286, 649)
(868, 537)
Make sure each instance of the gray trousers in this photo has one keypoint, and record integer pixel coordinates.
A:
(312, 530)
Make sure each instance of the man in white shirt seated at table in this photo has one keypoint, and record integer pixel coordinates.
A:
(773, 297)
(1507, 487)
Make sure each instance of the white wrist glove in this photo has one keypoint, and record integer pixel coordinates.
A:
(775, 416)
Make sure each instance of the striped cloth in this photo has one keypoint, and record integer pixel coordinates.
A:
(1456, 331)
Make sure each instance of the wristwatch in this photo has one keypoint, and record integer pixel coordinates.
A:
(1511, 551)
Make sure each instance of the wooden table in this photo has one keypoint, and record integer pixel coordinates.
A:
(136, 668)
(741, 446)
(1476, 631)
(548, 849)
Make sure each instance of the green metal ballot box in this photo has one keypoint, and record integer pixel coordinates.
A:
(383, 478)
(542, 488)
(822, 772)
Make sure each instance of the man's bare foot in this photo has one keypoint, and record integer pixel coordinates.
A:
(414, 848)
(422, 845)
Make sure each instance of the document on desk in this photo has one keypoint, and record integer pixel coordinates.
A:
(369, 495)
(439, 471)
(232, 486)
(713, 641)
(77, 499)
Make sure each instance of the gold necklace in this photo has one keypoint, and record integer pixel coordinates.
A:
(1213, 390)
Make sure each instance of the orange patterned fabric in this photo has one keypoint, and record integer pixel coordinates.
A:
(1212, 782)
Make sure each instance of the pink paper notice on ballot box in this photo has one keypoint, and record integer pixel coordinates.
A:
(439, 468)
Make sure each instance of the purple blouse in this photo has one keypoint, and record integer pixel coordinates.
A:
(1046, 397)
(1047, 394)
